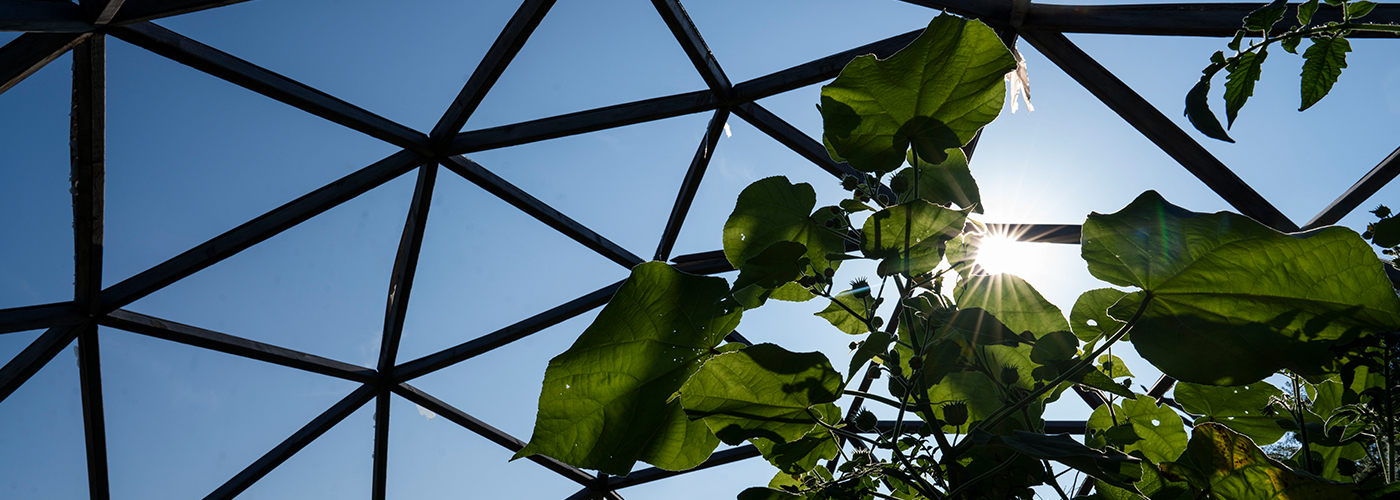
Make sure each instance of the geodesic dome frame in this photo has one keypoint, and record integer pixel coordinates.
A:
(54, 27)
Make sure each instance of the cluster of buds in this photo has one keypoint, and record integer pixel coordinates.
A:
(813, 281)
(864, 187)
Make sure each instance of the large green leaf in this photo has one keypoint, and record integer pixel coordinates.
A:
(1014, 301)
(978, 327)
(910, 236)
(1111, 466)
(1233, 468)
(602, 409)
(1089, 318)
(1240, 408)
(763, 391)
(1323, 63)
(772, 210)
(1162, 432)
(776, 266)
(1232, 300)
(934, 94)
(949, 182)
(802, 455)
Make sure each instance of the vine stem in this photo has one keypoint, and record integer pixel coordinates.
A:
(1001, 414)
(1389, 416)
(1300, 417)
(1324, 28)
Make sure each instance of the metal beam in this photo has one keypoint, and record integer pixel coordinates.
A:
(257, 230)
(94, 423)
(1160, 130)
(19, 319)
(502, 52)
(1051, 426)
(711, 262)
(294, 443)
(583, 122)
(145, 10)
(1369, 184)
(237, 346)
(518, 198)
(88, 172)
(462, 352)
(31, 51)
(1039, 233)
(405, 267)
(487, 431)
(793, 138)
(691, 184)
(1198, 19)
(37, 16)
(695, 48)
(35, 356)
(654, 474)
(380, 481)
(817, 71)
(102, 11)
(257, 79)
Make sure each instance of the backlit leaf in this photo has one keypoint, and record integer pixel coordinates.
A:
(600, 409)
(1239, 408)
(1013, 301)
(1232, 300)
(1323, 63)
(934, 94)
(1265, 17)
(1162, 432)
(1239, 83)
(946, 183)
(1236, 469)
(910, 236)
(841, 318)
(772, 210)
(763, 391)
(1089, 318)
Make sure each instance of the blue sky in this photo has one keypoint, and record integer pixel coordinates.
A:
(191, 156)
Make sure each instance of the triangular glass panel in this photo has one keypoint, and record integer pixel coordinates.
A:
(45, 454)
(405, 62)
(208, 415)
(34, 189)
(587, 55)
(771, 36)
(502, 387)
(432, 457)
(1299, 162)
(319, 287)
(618, 182)
(190, 157)
(486, 265)
(339, 464)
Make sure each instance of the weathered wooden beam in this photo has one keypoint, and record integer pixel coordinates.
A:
(294, 443)
(694, 46)
(257, 79)
(501, 53)
(94, 423)
(19, 319)
(1160, 130)
(655, 474)
(691, 184)
(497, 436)
(1358, 193)
(228, 344)
(87, 172)
(541, 211)
(35, 356)
(31, 51)
(529, 326)
(101, 11)
(819, 70)
(405, 267)
(583, 122)
(39, 16)
(144, 10)
(257, 230)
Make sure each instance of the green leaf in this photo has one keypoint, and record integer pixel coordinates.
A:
(772, 210)
(1162, 432)
(1113, 367)
(1359, 9)
(949, 182)
(763, 391)
(1291, 44)
(1239, 408)
(1089, 318)
(874, 345)
(1239, 83)
(978, 327)
(775, 266)
(801, 455)
(1235, 469)
(1265, 17)
(934, 94)
(600, 409)
(1013, 301)
(1109, 465)
(1235, 42)
(910, 236)
(1323, 63)
(1306, 11)
(1385, 233)
(1199, 113)
(1232, 300)
(1099, 380)
(842, 319)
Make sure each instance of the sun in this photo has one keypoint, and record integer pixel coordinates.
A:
(1001, 253)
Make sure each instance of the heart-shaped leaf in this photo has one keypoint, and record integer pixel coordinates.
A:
(763, 391)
